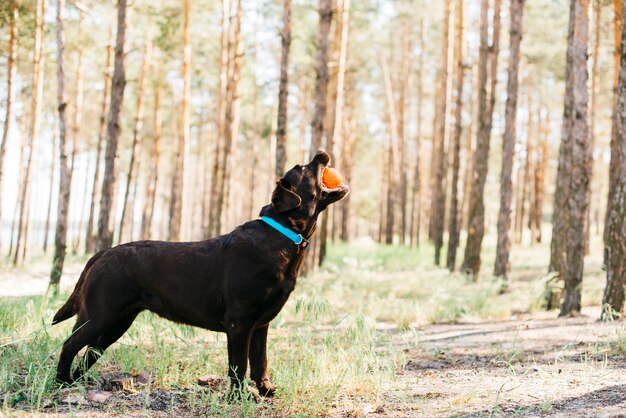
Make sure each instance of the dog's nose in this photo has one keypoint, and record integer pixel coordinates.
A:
(322, 157)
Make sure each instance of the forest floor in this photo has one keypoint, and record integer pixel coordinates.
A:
(380, 341)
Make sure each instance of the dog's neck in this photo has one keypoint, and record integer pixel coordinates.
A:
(304, 227)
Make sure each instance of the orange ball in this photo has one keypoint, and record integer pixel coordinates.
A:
(331, 178)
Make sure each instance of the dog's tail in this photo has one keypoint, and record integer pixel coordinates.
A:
(70, 308)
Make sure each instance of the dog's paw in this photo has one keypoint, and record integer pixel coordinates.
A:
(266, 388)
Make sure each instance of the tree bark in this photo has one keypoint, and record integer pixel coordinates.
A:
(618, 6)
(95, 191)
(597, 17)
(11, 56)
(540, 174)
(65, 183)
(438, 168)
(613, 299)
(107, 200)
(283, 92)
(53, 167)
(152, 177)
(486, 101)
(176, 199)
(321, 83)
(416, 195)
(135, 153)
(502, 265)
(453, 227)
(214, 224)
(575, 109)
(37, 88)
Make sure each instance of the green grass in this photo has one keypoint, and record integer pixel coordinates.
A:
(338, 342)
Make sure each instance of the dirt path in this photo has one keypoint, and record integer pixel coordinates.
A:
(535, 366)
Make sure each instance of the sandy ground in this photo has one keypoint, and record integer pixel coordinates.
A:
(534, 366)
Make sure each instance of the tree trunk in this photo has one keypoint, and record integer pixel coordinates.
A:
(575, 109)
(37, 88)
(393, 168)
(283, 92)
(469, 147)
(503, 248)
(321, 82)
(540, 174)
(438, 171)
(176, 199)
(46, 229)
(65, 183)
(135, 155)
(107, 200)
(403, 93)
(18, 203)
(597, 16)
(11, 56)
(618, 6)
(214, 224)
(76, 123)
(348, 143)
(613, 299)
(231, 120)
(416, 195)
(476, 225)
(95, 191)
(453, 228)
(152, 177)
(528, 169)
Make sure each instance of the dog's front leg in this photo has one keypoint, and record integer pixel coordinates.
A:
(238, 334)
(258, 362)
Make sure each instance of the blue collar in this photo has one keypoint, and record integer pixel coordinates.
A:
(295, 238)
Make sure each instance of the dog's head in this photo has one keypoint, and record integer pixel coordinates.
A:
(300, 193)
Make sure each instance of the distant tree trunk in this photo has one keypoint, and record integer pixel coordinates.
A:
(438, 171)
(597, 16)
(321, 83)
(453, 228)
(37, 89)
(503, 248)
(486, 102)
(393, 168)
(416, 197)
(618, 6)
(176, 200)
(540, 174)
(95, 191)
(469, 148)
(230, 122)
(283, 91)
(302, 117)
(46, 229)
(135, 153)
(107, 213)
(18, 204)
(528, 169)
(65, 183)
(335, 115)
(403, 93)
(575, 109)
(613, 299)
(214, 224)
(152, 177)
(76, 122)
(11, 56)
(348, 143)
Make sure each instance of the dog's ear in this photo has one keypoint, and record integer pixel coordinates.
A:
(284, 199)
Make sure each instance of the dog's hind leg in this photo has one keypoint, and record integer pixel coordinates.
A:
(104, 341)
(258, 362)
(84, 333)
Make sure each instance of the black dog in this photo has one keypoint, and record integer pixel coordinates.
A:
(235, 283)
